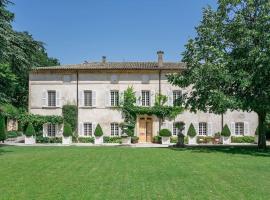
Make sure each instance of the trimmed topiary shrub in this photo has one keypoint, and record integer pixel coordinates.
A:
(2, 129)
(67, 130)
(98, 132)
(30, 131)
(165, 133)
(226, 131)
(191, 131)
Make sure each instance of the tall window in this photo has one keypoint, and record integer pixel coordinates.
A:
(87, 98)
(177, 94)
(145, 98)
(87, 129)
(114, 129)
(176, 128)
(114, 98)
(51, 98)
(202, 128)
(51, 130)
(239, 128)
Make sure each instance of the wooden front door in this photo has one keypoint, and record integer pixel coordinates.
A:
(145, 129)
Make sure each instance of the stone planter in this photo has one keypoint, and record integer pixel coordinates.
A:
(29, 140)
(165, 140)
(98, 139)
(256, 139)
(67, 140)
(192, 140)
(126, 140)
(226, 140)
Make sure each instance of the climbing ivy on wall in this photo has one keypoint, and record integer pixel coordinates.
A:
(70, 115)
(130, 110)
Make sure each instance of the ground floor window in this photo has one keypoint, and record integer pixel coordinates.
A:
(114, 129)
(202, 128)
(87, 129)
(51, 130)
(239, 128)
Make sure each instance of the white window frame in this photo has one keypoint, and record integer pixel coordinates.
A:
(114, 98)
(88, 102)
(87, 129)
(51, 102)
(146, 98)
(239, 128)
(115, 129)
(176, 95)
(202, 128)
(51, 130)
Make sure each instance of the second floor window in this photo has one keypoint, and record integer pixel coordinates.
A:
(114, 98)
(114, 129)
(177, 94)
(145, 98)
(202, 128)
(87, 98)
(87, 129)
(52, 98)
(239, 128)
(51, 130)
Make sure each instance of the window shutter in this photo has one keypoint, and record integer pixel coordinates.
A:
(232, 128)
(246, 128)
(121, 97)
(60, 129)
(196, 126)
(152, 98)
(114, 78)
(138, 98)
(80, 128)
(209, 128)
(94, 125)
(184, 94)
(145, 78)
(170, 98)
(107, 98)
(45, 130)
(58, 99)
(81, 98)
(171, 127)
(94, 98)
(44, 98)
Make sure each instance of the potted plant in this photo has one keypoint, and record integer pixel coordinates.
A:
(217, 137)
(127, 132)
(125, 138)
(29, 134)
(225, 135)
(191, 134)
(67, 134)
(98, 135)
(165, 136)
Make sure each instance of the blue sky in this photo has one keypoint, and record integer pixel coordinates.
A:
(122, 30)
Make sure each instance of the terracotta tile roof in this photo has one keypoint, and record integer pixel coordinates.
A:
(116, 66)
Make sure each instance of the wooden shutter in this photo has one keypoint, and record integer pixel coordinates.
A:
(170, 98)
(107, 98)
(121, 97)
(138, 98)
(58, 99)
(196, 126)
(81, 129)
(45, 130)
(246, 128)
(81, 98)
(232, 128)
(152, 98)
(209, 128)
(94, 125)
(44, 98)
(94, 98)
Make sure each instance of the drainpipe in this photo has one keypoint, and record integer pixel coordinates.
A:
(159, 92)
(77, 101)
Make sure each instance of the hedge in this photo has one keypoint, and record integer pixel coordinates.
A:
(41, 139)
(109, 139)
(204, 139)
(13, 134)
(67, 130)
(242, 139)
(165, 133)
(84, 140)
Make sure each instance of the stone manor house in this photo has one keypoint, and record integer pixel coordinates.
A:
(96, 87)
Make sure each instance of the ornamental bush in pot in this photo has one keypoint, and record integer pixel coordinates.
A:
(191, 134)
(225, 135)
(98, 135)
(29, 134)
(67, 134)
(165, 136)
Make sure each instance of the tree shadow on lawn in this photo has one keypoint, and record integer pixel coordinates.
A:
(2, 151)
(241, 150)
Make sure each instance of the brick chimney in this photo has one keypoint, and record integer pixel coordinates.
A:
(160, 58)
(103, 59)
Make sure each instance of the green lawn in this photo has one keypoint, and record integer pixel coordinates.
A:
(133, 173)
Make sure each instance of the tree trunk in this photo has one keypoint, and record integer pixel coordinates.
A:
(261, 131)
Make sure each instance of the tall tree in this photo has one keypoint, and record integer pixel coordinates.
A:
(21, 53)
(228, 62)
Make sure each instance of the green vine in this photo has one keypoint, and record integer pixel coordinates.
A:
(70, 115)
(130, 110)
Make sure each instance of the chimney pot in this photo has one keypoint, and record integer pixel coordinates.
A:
(160, 58)
(103, 59)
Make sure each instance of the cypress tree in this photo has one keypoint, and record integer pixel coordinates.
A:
(2, 129)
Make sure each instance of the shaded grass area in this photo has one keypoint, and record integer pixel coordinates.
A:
(133, 173)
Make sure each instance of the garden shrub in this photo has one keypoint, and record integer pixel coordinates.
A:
(30, 131)
(67, 130)
(165, 133)
(242, 139)
(217, 135)
(226, 131)
(98, 131)
(173, 139)
(109, 139)
(157, 139)
(41, 139)
(86, 139)
(2, 128)
(204, 139)
(191, 131)
(13, 134)
(134, 139)
(70, 115)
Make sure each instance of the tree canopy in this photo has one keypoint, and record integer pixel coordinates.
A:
(19, 53)
(228, 62)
